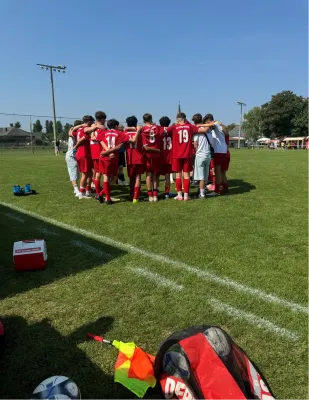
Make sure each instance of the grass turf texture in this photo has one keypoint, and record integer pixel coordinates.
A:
(256, 236)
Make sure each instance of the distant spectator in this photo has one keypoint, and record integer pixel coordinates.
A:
(57, 149)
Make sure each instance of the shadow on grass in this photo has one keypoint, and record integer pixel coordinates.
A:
(34, 352)
(68, 253)
(238, 186)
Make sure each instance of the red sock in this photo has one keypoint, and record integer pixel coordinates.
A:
(186, 185)
(97, 186)
(178, 185)
(167, 189)
(150, 193)
(217, 187)
(225, 186)
(210, 175)
(214, 180)
(107, 190)
(88, 188)
(82, 190)
(137, 190)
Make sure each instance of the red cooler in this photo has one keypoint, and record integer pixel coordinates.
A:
(30, 255)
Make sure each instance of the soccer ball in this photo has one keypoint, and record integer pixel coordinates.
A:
(175, 362)
(218, 341)
(56, 387)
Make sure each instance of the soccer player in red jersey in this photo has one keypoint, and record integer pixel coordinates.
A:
(111, 141)
(166, 156)
(135, 158)
(151, 139)
(182, 139)
(95, 148)
(83, 155)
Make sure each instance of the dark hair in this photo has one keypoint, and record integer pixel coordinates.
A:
(147, 117)
(181, 115)
(131, 121)
(197, 118)
(78, 122)
(112, 123)
(208, 117)
(100, 115)
(165, 121)
(88, 118)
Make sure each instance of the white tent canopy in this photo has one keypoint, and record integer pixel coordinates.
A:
(263, 139)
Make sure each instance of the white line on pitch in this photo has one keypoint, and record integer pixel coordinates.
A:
(158, 279)
(204, 274)
(9, 215)
(48, 232)
(87, 247)
(252, 319)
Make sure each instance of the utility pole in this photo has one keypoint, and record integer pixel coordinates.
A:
(52, 68)
(31, 134)
(240, 123)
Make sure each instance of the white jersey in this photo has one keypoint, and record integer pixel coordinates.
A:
(218, 139)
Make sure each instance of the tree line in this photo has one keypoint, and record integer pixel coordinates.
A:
(62, 131)
(286, 114)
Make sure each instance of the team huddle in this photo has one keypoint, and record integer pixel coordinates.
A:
(95, 149)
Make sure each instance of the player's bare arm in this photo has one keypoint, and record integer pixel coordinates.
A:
(75, 128)
(79, 142)
(151, 149)
(90, 129)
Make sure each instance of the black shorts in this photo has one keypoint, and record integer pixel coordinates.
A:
(122, 160)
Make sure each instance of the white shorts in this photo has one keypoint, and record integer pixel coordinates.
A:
(72, 168)
(201, 168)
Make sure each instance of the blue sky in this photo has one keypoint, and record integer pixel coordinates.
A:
(135, 56)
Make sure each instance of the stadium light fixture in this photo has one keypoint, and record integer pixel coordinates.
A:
(58, 68)
(240, 123)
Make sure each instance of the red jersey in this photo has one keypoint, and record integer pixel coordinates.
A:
(134, 151)
(84, 149)
(111, 138)
(95, 146)
(151, 137)
(182, 137)
(166, 148)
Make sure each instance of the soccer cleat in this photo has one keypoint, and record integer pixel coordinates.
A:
(122, 183)
(178, 198)
(109, 202)
(115, 199)
(186, 198)
(150, 199)
(83, 196)
(155, 199)
(135, 201)
(201, 196)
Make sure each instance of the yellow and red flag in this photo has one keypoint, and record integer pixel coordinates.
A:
(133, 368)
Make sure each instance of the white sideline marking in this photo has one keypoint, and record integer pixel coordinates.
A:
(158, 279)
(252, 319)
(14, 217)
(204, 274)
(48, 232)
(91, 249)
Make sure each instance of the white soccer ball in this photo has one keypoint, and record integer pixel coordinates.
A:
(56, 387)
(175, 362)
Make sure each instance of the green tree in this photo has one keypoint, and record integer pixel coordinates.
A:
(17, 124)
(11, 124)
(50, 127)
(47, 126)
(66, 129)
(37, 126)
(253, 123)
(300, 121)
(278, 114)
(230, 127)
(59, 127)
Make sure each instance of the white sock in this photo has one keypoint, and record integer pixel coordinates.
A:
(179, 194)
(202, 192)
(186, 195)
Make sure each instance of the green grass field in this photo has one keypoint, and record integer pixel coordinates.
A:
(140, 272)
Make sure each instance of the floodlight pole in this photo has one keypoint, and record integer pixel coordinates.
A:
(240, 123)
(51, 68)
